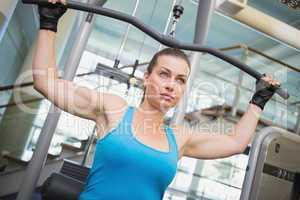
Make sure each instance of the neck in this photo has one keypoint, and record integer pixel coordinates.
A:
(150, 115)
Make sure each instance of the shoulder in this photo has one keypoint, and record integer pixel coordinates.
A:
(114, 103)
(114, 107)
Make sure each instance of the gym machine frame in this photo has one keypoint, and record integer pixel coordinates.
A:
(273, 170)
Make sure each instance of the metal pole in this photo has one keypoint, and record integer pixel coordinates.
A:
(237, 95)
(168, 23)
(137, 2)
(40, 154)
(204, 14)
(297, 127)
(205, 11)
(88, 146)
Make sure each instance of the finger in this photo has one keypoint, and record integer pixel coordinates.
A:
(265, 78)
(63, 2)
(270, 77)
(270, 81)
(276, 83)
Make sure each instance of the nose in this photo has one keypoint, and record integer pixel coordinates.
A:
(169, 86)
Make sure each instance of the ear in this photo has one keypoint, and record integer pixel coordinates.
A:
(146, 77)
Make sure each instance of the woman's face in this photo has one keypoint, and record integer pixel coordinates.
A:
(167, 82)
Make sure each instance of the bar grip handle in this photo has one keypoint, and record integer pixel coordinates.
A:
(35, 1)
(38, 2)
(282, 93)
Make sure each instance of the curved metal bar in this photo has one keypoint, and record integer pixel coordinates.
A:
(163, 39)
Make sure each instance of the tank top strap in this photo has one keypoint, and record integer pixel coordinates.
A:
(124, 126)
(127, 123)
(127, 118)
(171, 138)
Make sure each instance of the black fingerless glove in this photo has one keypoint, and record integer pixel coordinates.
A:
(263, 93)
(49, 16)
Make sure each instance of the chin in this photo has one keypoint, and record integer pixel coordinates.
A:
(162, 105)
(165, 106)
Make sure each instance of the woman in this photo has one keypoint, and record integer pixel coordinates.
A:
(136, 154)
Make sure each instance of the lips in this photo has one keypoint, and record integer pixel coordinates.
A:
(167, 96)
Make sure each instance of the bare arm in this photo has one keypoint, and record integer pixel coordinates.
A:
(213, 146)
(77, 100)
(210, 146)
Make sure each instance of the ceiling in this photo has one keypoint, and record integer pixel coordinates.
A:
(277, 10)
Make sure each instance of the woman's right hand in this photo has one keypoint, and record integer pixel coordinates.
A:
(50, 14)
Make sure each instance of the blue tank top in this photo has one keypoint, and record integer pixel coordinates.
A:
(125, 168)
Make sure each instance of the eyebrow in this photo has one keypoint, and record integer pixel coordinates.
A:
(170, 71)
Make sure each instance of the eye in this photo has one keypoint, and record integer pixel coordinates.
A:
(181, 81)
(163, 74)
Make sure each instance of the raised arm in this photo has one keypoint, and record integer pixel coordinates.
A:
(206, 145)
(212, 146)
(77, 100)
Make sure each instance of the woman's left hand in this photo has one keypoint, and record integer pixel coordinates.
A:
(265, 89)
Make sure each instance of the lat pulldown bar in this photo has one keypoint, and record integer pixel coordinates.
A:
(163, 39)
